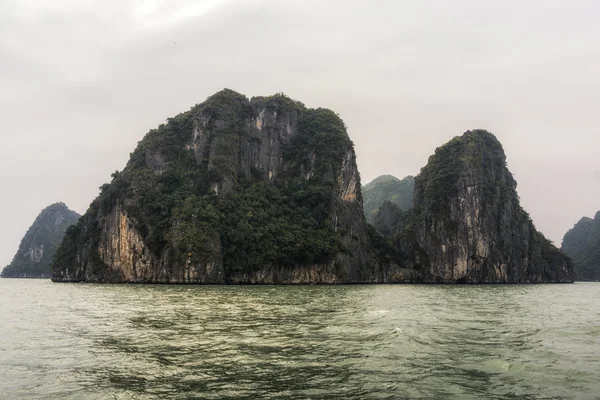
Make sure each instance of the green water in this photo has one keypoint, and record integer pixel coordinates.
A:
(81, 341)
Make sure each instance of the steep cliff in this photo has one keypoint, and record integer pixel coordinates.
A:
(387, 188)
(582, 244)
(39, 244)
(467, 224)
(232, 191)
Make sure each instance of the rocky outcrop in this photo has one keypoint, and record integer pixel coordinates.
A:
(267, 191)
(232, 191)
(468, 224)
(582, 244)
(387, 188)
(39, 244)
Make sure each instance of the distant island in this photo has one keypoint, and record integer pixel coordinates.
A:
(582, 244)
(387, 188)
(39, 244)
(267, 191)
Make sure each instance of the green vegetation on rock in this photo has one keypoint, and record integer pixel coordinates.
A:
(387, 188)
(582, 244)
(39, 244)
(233, 184)
(476, 160)
(467, 224)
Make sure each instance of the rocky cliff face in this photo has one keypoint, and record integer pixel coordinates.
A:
(232, 191)
(582, 244)
(267, 191)
(468, 226)
(39, 244)
(387, 188)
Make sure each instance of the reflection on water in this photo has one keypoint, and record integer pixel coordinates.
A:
(414, 342)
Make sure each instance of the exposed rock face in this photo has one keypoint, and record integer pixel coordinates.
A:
(267, 129)
(582, 244)
(232, 191)
(39, 244)
(468, 225)
(387, 188)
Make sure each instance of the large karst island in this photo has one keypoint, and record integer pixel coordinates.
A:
(582, 244)
(37, 248)
(267, 191)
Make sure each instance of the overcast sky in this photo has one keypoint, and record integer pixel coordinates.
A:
(82, 81)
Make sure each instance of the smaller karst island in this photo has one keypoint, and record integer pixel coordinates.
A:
(37, 248)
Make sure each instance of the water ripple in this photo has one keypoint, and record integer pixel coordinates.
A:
(380, 342)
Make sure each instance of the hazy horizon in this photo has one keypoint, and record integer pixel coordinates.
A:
(84, 81)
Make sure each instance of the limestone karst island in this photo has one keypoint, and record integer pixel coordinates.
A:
(39, 244)
(267, 191)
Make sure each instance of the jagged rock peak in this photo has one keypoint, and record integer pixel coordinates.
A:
(39, 244)
(469, 223)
